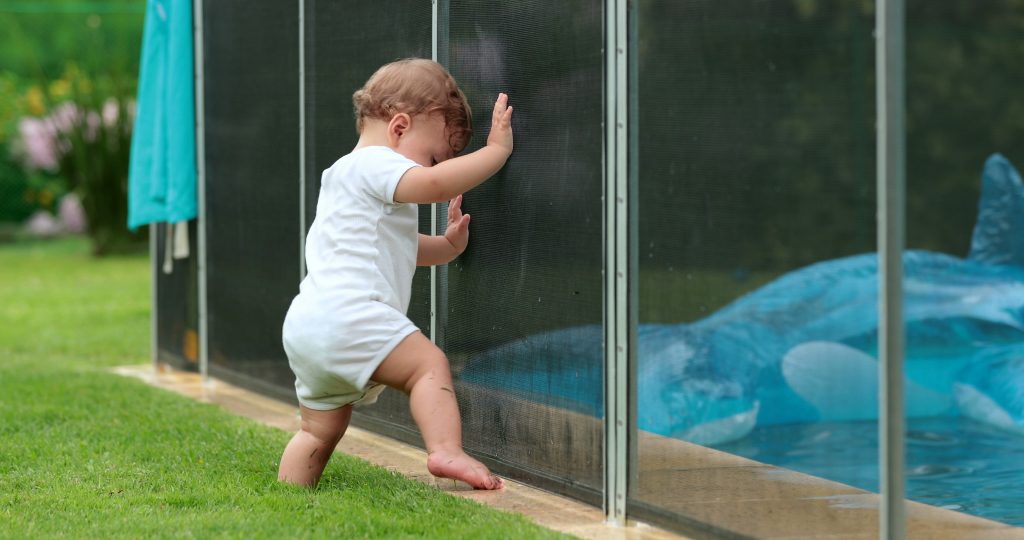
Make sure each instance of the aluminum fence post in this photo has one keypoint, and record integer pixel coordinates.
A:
(891, 147)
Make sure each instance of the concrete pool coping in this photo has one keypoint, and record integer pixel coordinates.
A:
(732, 495)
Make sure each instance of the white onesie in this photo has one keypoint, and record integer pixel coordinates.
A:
(360, 257)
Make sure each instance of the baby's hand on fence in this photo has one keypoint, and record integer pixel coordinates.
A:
(457, 232)
(501, 124)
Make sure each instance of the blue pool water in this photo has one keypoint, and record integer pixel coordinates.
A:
(952, 462)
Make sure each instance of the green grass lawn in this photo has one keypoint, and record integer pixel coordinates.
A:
(88, 454)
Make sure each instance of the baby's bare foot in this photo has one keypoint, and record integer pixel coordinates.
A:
(459, 466)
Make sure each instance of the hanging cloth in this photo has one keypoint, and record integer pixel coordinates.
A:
(162, 168)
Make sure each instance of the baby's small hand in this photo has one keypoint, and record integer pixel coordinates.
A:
(457, 232)
(501, 124)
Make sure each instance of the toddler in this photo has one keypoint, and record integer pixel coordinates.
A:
(346, 333)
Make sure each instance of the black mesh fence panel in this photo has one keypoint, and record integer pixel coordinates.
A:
(522, 319)
(755, 158)
(252, 188)
(345, 43)
(965, 135)
(964, 104)
(521, 311)
(177, 303)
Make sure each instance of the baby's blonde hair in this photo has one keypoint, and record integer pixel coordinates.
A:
(414, 86)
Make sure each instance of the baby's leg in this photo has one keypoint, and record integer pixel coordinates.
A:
(417, 367)
(306, 455)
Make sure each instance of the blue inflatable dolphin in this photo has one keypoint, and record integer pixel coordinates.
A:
(802, 348)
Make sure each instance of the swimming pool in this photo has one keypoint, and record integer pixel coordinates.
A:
(951, 462)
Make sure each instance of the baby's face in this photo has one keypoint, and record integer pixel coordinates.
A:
(426, 140)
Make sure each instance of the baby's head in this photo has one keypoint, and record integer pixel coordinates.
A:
(415, 86)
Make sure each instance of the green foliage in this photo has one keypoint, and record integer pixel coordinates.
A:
(98, 141)
(39, 37)
(11, 104)
(80, 144)
(15, 195)
(16, 199)
(25, 189)
(86, 54)
(88, 454)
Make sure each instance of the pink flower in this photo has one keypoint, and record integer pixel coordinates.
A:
(110, 112)
(65, 117)
(42, 142)
(38, 144)
(71, 214)
(92, 125)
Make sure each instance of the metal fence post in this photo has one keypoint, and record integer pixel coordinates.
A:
(302, 139)
(889, 33)
(439, 273)
(616, 267)
(198, 56)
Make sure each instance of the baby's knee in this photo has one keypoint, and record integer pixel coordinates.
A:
(321, 436)
(325, 428)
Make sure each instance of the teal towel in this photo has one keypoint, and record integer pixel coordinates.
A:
(162, 169)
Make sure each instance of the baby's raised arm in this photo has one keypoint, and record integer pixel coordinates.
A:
(444, 181)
